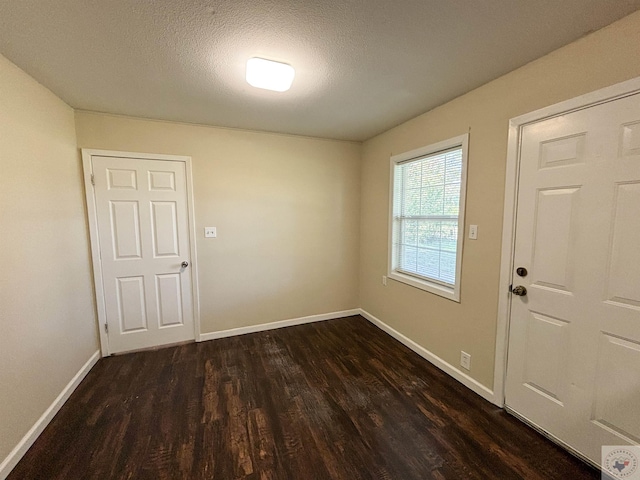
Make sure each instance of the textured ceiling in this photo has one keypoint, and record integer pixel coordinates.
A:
(362, 66)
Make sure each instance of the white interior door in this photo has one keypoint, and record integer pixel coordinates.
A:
(574, 341)
(142, 224)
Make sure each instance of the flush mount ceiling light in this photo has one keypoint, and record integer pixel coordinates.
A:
(270, 75)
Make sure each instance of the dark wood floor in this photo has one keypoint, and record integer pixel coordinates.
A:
(331, 400)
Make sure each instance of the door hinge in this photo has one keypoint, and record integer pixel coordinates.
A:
(106, 327)
(93, 180)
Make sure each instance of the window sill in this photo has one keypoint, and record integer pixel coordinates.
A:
(450, 293)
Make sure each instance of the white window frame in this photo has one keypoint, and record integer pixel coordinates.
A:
(432, 286)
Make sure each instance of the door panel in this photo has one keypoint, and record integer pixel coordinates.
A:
(131, 303)
(630, 140)
(574, 342)
(552, 264)
(142, 214)
(122, 179)
(162, 181)
(616, 401)
(624, 254)
(169, 296)
(562, 151)
(125, 229)
(545, 357)
(164, 219)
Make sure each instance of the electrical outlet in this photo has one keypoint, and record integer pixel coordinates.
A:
(384, 280)
(210, 232)
(465, 360)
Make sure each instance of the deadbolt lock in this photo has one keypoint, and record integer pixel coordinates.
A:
(521, 272)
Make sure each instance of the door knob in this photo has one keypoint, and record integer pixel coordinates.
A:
(519, 290)
(185, 264)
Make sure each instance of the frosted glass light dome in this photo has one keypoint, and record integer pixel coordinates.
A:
(270, 75)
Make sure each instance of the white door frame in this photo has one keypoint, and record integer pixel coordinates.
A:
(516, 124)
(95, 242)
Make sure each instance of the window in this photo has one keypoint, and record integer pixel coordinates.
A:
(427, 216)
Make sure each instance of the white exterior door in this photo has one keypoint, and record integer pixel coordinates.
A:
(574, 340)
(141, 212)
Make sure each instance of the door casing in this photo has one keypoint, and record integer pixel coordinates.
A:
(604, 95)
(87, 154)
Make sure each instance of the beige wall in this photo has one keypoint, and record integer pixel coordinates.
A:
(46, 306)
(286, 209)
(444, 327)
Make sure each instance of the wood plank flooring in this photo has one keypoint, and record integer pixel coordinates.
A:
(333, 400)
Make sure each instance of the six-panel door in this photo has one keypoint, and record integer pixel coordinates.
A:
(141, 208)
(574, 347)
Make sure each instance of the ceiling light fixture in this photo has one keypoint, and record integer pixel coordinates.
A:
(270, 75)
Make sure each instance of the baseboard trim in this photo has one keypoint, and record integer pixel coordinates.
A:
(18, 452)
(274, 325)
(446, 367)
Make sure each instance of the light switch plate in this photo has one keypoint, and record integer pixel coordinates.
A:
(473, 232)
(210, 232)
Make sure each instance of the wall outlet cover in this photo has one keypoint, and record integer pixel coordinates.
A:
(465, 360)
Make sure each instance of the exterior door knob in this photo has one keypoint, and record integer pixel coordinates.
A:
(185, 264)
(519, 290)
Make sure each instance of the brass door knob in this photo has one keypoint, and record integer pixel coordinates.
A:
(519, 290)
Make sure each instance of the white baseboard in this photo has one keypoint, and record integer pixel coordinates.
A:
(18, 452)
(280, 324)
(446, 367)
